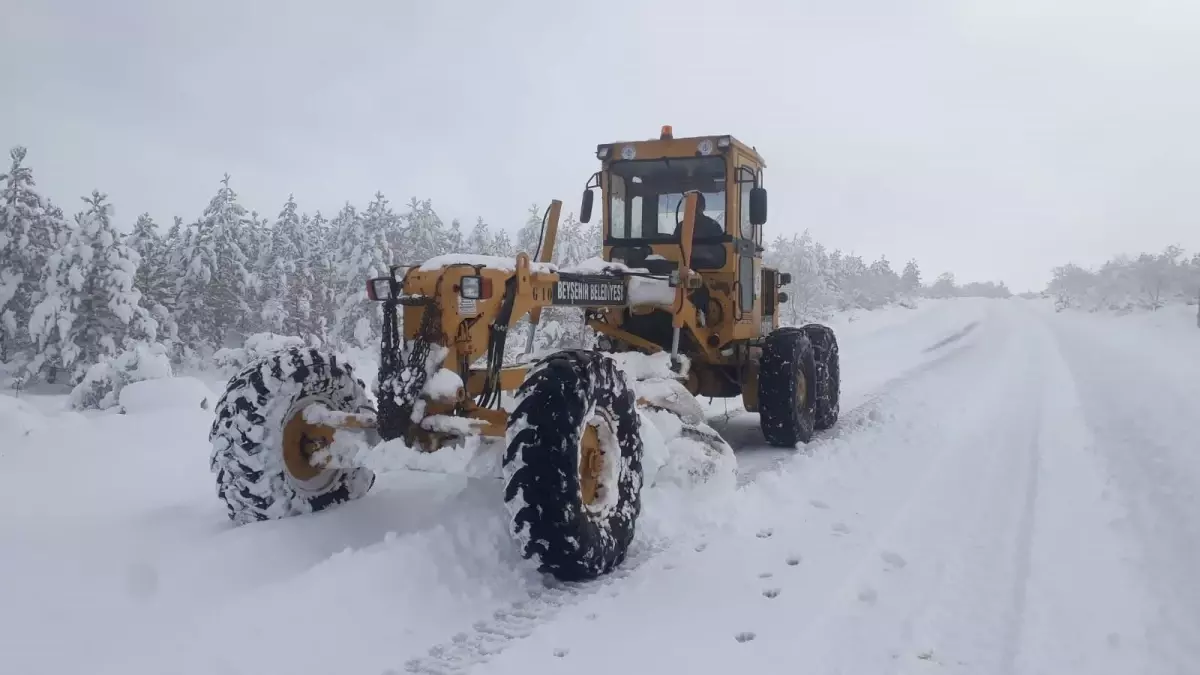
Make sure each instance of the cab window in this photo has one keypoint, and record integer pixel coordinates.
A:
(645, 194)
(745, 183)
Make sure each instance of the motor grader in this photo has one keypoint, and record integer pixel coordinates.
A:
(680, 280)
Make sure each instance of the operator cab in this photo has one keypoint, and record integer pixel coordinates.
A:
(643, 185)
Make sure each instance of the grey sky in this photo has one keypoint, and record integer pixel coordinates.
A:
(991, 138)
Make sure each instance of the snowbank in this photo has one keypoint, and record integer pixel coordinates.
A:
(18, 417)
(157, 395)
(1179, 316)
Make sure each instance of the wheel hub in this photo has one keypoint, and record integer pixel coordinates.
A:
(591, 463)
(302, 440)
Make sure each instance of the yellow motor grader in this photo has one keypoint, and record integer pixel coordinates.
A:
(680, 304)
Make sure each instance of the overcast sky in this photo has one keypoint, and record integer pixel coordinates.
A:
(991, 138)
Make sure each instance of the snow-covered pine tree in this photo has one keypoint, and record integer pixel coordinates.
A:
(285, 275)
(320, 255)
(454, 237)
(144, 237)
(574, 243)
(175, 242)
(910, 280)
(502, 245)
(29, 233)
(255, 239)
(424, 235)
(155, 276)
(364, 253)
(480, 240)
(91, 307)
(214, 288)
(530, 233)
(300, 304)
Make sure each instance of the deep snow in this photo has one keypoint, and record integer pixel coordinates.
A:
(1010, 490)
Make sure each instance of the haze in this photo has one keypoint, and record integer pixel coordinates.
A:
(991, 138)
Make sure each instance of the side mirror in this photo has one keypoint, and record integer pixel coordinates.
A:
(585, 210)
(758, 206)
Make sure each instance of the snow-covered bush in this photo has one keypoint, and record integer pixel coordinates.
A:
(102, 382)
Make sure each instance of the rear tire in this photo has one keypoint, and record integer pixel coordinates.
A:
(786, 377)
(247, 436)
(828, 381)
(570, 539)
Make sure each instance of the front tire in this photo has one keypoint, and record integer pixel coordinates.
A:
(786, 377)
(576, 523)
(260, 475)
(828, 375)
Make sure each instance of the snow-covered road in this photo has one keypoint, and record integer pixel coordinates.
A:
(1010, 490)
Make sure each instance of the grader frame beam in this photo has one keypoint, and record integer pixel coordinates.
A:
(472, 300)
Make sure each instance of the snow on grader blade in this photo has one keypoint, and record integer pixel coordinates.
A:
(582, 430)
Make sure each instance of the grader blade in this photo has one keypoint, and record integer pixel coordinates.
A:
(695, 452)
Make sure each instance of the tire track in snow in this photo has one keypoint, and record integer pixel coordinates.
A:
(953, 337)
(865, 414)
(1145, 438)
(1014, 627)
(489, 637)
(913, 619)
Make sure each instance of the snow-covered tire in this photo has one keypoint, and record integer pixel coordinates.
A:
(786, 406)
(827, 391)
(568, 538)
(247, 436)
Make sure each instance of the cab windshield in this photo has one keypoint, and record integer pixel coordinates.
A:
(643, 194)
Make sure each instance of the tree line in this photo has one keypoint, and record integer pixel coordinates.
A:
(1128, 283)
(80, 291)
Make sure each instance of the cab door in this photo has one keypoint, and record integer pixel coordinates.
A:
(747, 247)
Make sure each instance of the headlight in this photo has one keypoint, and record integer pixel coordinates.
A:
(471, 288)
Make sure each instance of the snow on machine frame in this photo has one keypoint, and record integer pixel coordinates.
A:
(681, 280)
